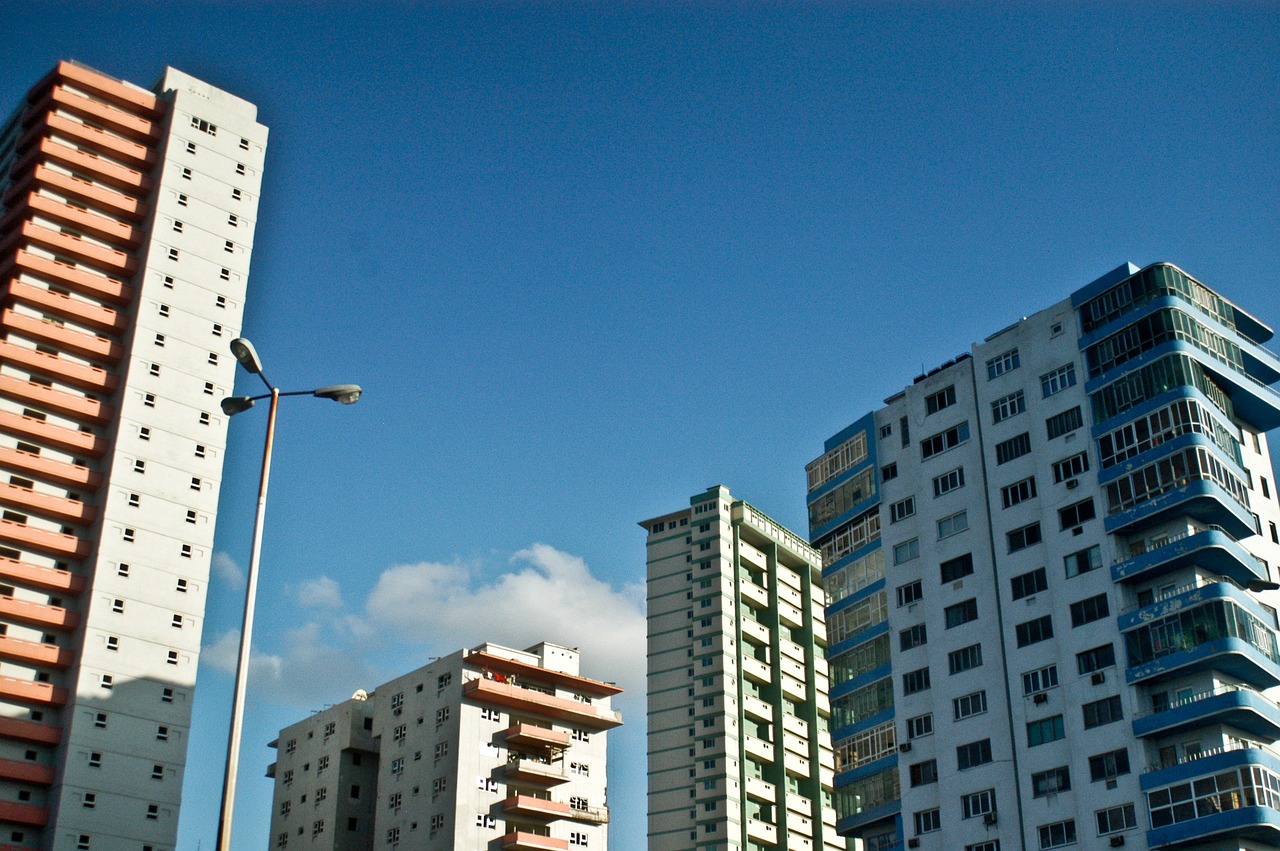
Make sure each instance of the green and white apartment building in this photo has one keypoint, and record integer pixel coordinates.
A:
(739, 754)
(1050, 567)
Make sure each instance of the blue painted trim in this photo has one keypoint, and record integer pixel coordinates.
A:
(847, 825)
(1164, 450)
(879, 672)
(1191, 598)
(1173, 394)
(855, 774)
(858, 638)
(1207, 765)
(1230, 654)
(1228, 513)
(1101, 284)
(1212, 549)
(864, 550)
(839, 520)
(1261, 824)
(835, 482)
(856, 597)
(866, 421)
(1248, 710)
(865, 724)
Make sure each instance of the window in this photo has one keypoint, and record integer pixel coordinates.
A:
(964, 659)
(1076, 514)
(1082, 561)
(174, 254)
(956, 568)
(1070, 467)
(1033, 631)
(1026, 584)
(1089, 610)
(162, 733)
(961, 613)
(90, 800)
(186, 174)
(1100, 712)
(1116, 819)
(953, 525)
(973, 754)
(1063, 423)
(969, 705)
(1007, 407)
(948, 482)
(442, 750)
(577, 838)
(1041, 679)
(393, 835)
(1001, 364)
(920, 726)
(177, 226)
(906, 551)
(149, 400)
(100, 720)
(1011, 495)
(928, 821)
(1058, 380)
(902, 509)
(442, 715)
(195, 483)
(117, 606)
(134, 500)
(989, 845)
(1021, 538)
(213, 359)
(915, 681)
(1014, 447)
(140, 466)
(910, 593)
(889, 472)
(1050, 782)
(1045, 730)
(923, 773)
(185, 551)
(399, 733)
(397, 765)
(978, 803)
(1096, 659)
(82, 844)
(1107, 765)
(1058, 834)
(95, 760)
(943, 441)
(886, 431)
(914, 636)
(905, 427)
(944, 398)
(200, 450)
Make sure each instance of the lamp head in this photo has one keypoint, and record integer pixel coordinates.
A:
(233, 405)
(347, 394)
(244, 352)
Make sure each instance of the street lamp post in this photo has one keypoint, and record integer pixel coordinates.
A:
(347, 394)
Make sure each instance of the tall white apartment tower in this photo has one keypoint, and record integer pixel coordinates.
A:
(739, 754)
(1051, 566)
(126, 224)
(490, 748)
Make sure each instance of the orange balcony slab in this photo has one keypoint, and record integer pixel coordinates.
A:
(59, 401)
(534, 771)
(536, 808)
(52, 543)
(591, 815)
(94, 224)
(24, 814)
(96, 195)
(35, 652)
(109, 115)
(103, 141)
(80, 375)
(27, 772)
(94, 315)
(108, 88)
(527, 700)
(86, 163)
(521, 841)
(28, 691)
(504, 665)
(40, 614)
(30, 731)
(70, 439)
(30, 501)
(44, 578)
(48, 469)
(109, 259)
(58, 335)
(72, 277)
(531, 735)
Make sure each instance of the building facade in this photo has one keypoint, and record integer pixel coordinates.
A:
(490, 748)
(126, 226)
(1051, 566)
(738, 748)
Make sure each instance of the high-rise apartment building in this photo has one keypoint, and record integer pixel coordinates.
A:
(1051, 570)
(126, 223)
(490, 748)
(739, 753)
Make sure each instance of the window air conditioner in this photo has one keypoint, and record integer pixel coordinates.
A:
(1098, 678)
(1072, 484)
(913, 843)
(1117, 841)
(989, 819)
(1040, 697)
(904, 747)
(1111, 784)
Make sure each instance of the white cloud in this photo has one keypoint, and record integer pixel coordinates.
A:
(226, 569)
(320, 593)
(552, 597)
(308, 672)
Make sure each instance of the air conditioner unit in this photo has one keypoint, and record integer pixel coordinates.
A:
(904, 747)
(989, 819)
(1098, 678)
(913, 843)
(1111, 784)
(1079, 530)
(1117, 841)
(396, 711)
(1040, 697)
(1072, 484)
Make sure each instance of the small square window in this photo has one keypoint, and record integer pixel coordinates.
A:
(107, 681)
(195, 483)
(168, 281)
(228, 246)
(186, 174)
(160, 340)
(182, 200)
(186, 551)
(154, 369)
(149, 400)
(122, 569)
(213, 358)
(128, 534)
(134, 500)
(166, 696)
(177, 622)
(177, 226)
(240, 169)
(139, 466)
(182, 586)
(191, 147)
(162, 733)
(172, 657)
(232, 220)
(244, 144)
(117, 606)
(204, 418)
(220, 301)
(191, 516)
(157, 772)
(163, 310)
(113, 642)
(209, 388)
(174, 254)
(200, 450)
(100, 720)
(235, 194)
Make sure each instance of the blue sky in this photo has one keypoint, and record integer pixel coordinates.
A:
(589, 259)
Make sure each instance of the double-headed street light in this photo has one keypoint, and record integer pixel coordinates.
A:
(347, 394)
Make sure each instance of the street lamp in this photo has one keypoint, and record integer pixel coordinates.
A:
(347, 394)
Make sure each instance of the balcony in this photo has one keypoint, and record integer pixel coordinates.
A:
(72, 245)
(86, 162)
(758, 748)
(61, 437)
(521, 841)
(527, 700)
(35, 652)
(24, 814)
(1242, 708)
(109, 115)
(29, 691)
(1191, 594)
(86, 135)
(529, 735)
(109, 89)
(45, 578)
(49, 469)
(762, 831)
(61, 508)
(30, 731)
(84, 376)
(58, 401)
(756, 670)
(751, 592)
(98, 316)
(531, 770)
(60, 336)
(39, 614)
(81, 280)
(94, 224)
(541, 809)
(26, 772)
(53, 543)
(761, 790)
(84, 191)
(757, 708)
(1217, 796)
(1200, 499)
(590, 815)
(1211, 548)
